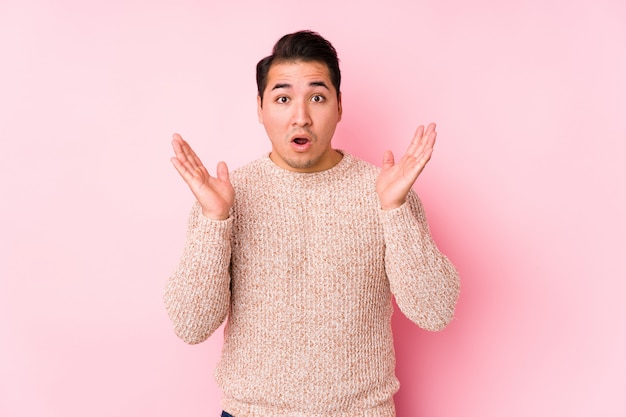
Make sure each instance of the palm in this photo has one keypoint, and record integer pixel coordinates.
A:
(395, 180)
(215, 194)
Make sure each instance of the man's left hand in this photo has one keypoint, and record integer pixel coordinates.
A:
(395, 180)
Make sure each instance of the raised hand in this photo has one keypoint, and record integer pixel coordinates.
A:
(215, 194)
(395, 180)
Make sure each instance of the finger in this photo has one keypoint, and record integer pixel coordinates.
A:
(427, 141)
(431, 128)
(222, 171)
(388, 160)
(187, 156)
(186, 161)
(195, 159)
(181, 160)
(178, 144)
(429, 136)
(416, 141)
(182, 170)
(427, 150)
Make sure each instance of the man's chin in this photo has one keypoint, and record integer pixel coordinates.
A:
(302, 165)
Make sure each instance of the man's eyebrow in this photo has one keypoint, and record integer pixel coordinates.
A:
(318, 84)
(281, 85)
(311, 84)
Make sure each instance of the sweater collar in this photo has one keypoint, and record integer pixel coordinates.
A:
(337, 170)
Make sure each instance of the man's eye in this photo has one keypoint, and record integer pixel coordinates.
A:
(282, 100)
(317, 98)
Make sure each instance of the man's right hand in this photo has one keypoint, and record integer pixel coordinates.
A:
(215, 194)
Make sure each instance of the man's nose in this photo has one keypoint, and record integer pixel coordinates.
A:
(301, 115)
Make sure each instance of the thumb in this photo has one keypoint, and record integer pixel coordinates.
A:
(222, 171)
(388, 160)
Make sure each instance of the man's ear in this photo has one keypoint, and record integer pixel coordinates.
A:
(340, 108)
(259, 107)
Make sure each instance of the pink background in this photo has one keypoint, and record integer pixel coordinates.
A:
(525, 192)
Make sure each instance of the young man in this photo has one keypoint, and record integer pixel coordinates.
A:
(303, 249)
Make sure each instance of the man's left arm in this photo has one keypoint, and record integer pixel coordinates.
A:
(423, 280)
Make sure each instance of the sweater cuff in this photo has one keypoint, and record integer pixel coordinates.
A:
(209, 231)
(398, 217)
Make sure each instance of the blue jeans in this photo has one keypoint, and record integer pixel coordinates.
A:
(225, 414)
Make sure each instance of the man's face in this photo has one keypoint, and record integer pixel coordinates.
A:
(300, 112)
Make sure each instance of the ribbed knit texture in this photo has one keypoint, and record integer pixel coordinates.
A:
(304, 269)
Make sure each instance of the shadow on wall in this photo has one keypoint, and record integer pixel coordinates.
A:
(427, 361)
(437, 368)
(440, 373)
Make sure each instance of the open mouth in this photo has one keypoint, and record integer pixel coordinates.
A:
(300, 141)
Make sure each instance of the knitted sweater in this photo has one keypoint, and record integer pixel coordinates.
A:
(304, 269)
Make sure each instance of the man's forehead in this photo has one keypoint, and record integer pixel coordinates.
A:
(297, 70)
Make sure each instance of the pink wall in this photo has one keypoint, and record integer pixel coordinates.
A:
(525, 191)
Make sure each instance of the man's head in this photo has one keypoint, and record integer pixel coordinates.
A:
(299, 103)
(306, 46)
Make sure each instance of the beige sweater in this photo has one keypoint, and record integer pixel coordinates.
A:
(305, 269)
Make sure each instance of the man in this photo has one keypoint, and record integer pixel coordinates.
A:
(302, 251)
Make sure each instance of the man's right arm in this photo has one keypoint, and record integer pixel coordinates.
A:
(197, 295)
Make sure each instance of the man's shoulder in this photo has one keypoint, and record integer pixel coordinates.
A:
(363, 163)
(360, 167)
(253, 170)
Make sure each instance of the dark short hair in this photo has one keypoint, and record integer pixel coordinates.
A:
(305, 45)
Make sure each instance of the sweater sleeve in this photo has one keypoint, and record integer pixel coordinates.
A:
(197, 295)
(424, 282)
